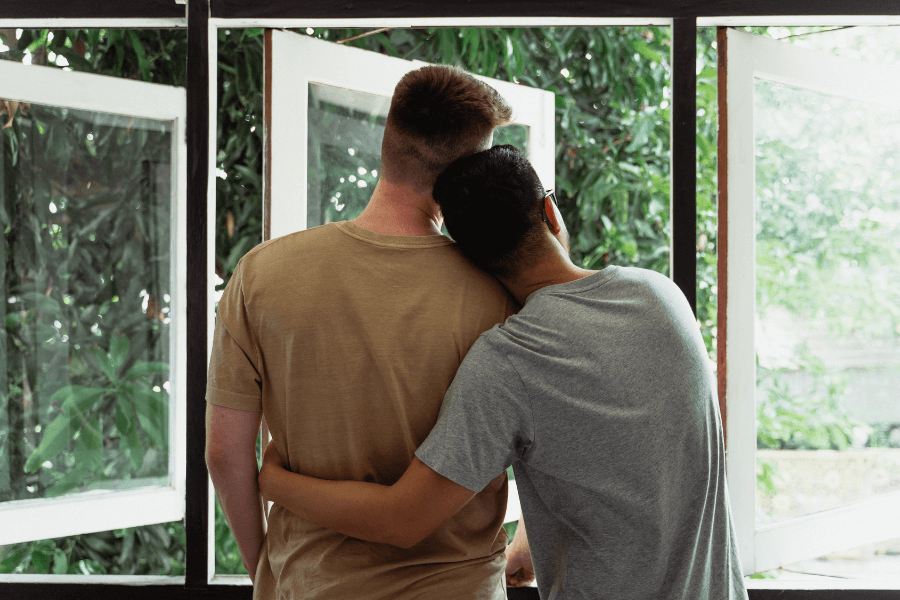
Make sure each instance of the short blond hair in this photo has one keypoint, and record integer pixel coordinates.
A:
(438, 114)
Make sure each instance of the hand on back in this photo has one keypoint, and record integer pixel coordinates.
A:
(519, 568)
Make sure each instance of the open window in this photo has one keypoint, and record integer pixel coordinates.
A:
(808, 282)
(93, 272)
(324, 124)
(325, 120)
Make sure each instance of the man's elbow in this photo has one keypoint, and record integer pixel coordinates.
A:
(405, 542)
(216, 462)
(408, 533)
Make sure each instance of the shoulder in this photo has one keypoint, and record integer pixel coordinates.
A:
(653, 283)
(306, 239)
(488, 356)
(272, 257)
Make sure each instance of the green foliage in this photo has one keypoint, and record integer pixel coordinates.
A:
(826, 239)
(814, 419)
(707, 186)
(240, 141)
(149, 550)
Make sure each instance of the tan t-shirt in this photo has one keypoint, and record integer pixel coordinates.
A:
(347, 340)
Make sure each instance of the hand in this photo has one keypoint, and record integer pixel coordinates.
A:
(519, 568)
(271, 461)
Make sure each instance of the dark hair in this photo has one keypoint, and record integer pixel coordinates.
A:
(491, 205)
(438, 113)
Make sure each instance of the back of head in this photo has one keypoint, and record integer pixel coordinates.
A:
(438, 113)
(491, 202)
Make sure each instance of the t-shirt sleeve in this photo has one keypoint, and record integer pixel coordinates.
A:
(234, 379)
(485, 423)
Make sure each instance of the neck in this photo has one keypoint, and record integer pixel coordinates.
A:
(553, 268)
(397, 209)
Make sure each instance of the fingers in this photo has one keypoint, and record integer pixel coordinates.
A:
(520, 578)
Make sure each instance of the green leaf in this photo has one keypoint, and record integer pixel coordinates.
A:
(641, 135)
(646, 51)
(118, 350)
(472, 39)
(154, 428)
(105, 364)
(90, 436)
(89, 446)
(147, 368)
(127, 548)
(67, 483)
(60, 562)
(607, 224)
(41, 561)
(124, 418)
(14, 559)
(55, 437)
(76, 399)
(135, 450)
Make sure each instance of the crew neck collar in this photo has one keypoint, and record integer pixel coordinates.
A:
(393, 241)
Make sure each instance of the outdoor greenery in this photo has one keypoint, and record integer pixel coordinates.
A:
(86, 281)
(105, 391)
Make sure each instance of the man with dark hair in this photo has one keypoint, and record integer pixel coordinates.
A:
(346, 337)
(598, 392)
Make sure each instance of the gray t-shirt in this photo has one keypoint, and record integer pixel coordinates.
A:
(600, 394)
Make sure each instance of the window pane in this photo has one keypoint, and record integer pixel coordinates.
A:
(514, 135)
(828, 301)
(345, 132)
(84, 361)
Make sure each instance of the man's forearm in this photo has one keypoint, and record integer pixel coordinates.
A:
(520, 539)
(238, 493)
(355, 508)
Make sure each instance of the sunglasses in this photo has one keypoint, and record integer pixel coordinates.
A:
(543, 209)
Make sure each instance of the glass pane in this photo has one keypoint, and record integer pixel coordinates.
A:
(828, 301)
(85, 199)
(345, 132)
(344, 150)
(514, 135)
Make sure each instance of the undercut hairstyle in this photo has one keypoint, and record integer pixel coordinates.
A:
(438, 113)
(491, 202)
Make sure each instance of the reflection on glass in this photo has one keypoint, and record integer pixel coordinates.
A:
(828, 298)
(85, 201)
(514, 135)
(344, 150)
(345, 132)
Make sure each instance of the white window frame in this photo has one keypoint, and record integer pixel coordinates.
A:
(88, 512)
(749, 58)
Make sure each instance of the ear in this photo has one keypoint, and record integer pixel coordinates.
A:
(550, 209)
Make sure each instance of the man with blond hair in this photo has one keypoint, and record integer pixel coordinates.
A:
(346, 337)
